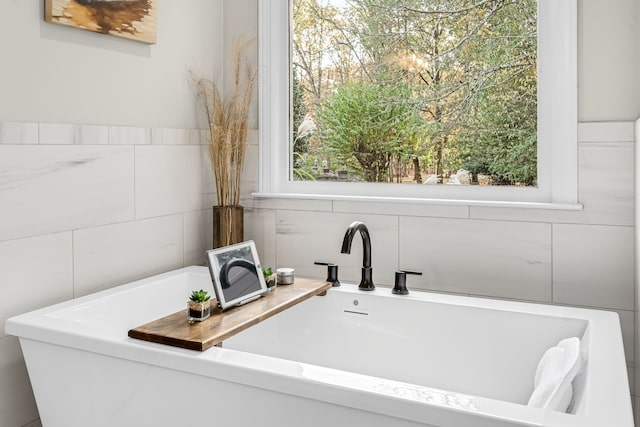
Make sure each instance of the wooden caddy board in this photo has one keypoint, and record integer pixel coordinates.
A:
(176, 331)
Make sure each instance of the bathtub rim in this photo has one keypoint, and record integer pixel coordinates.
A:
(249, 369)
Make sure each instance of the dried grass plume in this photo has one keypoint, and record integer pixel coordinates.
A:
(228, 122)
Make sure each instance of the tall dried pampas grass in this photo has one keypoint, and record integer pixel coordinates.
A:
(228, 123)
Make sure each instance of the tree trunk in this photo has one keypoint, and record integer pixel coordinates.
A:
(417, 176)
(439, 158)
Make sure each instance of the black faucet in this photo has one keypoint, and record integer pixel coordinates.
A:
(366, 283)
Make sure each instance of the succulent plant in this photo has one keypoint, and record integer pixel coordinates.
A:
(199, 296)
(266, 272)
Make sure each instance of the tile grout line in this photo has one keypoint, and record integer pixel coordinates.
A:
(73, 264)
(184, 243)
(135, 212)
(551, 245)
(398, 247)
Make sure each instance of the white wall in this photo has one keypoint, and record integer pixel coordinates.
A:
(103, 175)
(52, 73)
(129, 196)
(608, 60)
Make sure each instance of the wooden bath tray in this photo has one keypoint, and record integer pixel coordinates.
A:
(174, 329)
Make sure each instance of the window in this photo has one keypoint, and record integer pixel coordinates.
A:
(283, 171)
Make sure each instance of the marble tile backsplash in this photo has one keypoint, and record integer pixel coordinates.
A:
(96, 206)
(63, 133)
(84, 208)
(591, 268)
(48, 189)
(39, 267)
(305, 237)
(55, 133)
(18, 133)
(492, 258)
(124, 252)
(171, 179)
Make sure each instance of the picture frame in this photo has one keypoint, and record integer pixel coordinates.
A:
(236, 273)
(130, 19)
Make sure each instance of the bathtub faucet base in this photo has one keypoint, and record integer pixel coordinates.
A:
(366, 283)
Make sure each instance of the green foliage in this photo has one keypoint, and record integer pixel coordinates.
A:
(371, 123)
(447, 83)
(502, 132)
(199, 296)
(267, 271)
(514, 161)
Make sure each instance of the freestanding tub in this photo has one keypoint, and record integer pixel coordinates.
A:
(349, 358)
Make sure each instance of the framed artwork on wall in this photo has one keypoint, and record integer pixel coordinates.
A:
(131, 19)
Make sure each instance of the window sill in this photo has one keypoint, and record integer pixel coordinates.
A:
(445, 202)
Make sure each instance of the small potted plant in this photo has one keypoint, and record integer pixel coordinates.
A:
(199, 306)
(269, 278)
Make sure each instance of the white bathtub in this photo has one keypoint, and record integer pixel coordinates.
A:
(350, 358)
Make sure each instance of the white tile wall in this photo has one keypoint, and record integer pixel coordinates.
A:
(46, 189)
(305, 237)
(260, 226)
(290, 204)
(606, 132)
(120, 253)
(121, 135)
(493, 258)
(68, 198)
(57, 133)
(18, 133)
(198, 236)
(170, 136)
(606, 182)
(404, 209)
(593, 266)
(171, 179)
(34, 272)
(104, 214)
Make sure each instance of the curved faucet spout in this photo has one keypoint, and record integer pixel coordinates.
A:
(367, 282)
(366, 241)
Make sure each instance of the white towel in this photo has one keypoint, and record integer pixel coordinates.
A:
(557, 369)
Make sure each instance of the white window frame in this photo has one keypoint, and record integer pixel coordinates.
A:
(557, 123)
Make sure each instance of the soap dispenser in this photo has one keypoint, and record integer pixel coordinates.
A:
(400, 287)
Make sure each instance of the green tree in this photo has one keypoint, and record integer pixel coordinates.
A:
(503, 140)
(500, 136)
(468, 67)
(371, 124)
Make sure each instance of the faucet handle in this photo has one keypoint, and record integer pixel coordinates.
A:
(400, 287)
(332, 273)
